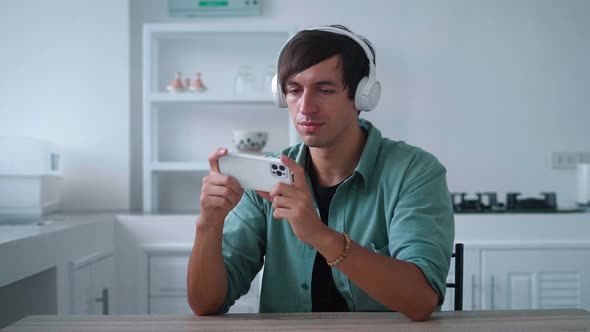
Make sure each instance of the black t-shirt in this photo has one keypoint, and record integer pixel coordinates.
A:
(324, 294)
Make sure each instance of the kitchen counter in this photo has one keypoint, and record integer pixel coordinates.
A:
(43, 252)
(30, 248)
(569, 210)
(16, 229)
(522, 228)
(516, 320)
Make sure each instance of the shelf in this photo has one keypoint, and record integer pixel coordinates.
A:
(188, 97)
(176, 166)
(179, 130)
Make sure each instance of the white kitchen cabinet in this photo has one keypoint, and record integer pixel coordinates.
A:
(525, 260)
(537, 278)
(93, 285)
(166, 289)
(180, 130)
(514, 276)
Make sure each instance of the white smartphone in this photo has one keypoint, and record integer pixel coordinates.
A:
(255, 172)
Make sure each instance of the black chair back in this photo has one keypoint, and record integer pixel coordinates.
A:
(458, 284)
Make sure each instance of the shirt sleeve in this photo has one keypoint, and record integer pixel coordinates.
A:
(422, 230)
(243, 246)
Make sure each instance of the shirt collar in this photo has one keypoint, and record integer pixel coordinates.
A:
(371, 149)
(368, 157)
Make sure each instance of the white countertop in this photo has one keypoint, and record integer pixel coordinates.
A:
(26, 249)
(522, 228)
(15, 230)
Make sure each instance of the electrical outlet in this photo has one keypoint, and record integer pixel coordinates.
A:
(568, 160)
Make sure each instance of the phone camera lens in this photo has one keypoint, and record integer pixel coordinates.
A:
(279, 173)
(274, 166)
(282, 168)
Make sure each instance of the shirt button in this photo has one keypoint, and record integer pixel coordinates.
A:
(304, 286)
(354, 186)
(310, 246)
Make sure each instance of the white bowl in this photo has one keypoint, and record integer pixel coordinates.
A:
(249, 141)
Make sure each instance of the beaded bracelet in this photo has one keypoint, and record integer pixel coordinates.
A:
(343, 256)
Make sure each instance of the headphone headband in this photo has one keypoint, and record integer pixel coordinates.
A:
(362, 43)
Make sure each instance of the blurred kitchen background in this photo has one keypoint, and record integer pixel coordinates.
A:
(493, 88)
(498, 90)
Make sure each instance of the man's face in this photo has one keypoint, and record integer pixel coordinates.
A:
(319, 104)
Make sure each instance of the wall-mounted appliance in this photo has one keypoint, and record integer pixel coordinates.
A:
(194, 8)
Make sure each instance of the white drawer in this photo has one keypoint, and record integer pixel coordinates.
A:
(168, 275)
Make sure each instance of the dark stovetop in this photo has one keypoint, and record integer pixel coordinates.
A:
(487, 202)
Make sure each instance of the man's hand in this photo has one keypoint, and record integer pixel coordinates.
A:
(294, 203)
(219, 194)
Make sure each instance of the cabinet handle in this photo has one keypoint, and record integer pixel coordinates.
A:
(492, 293)
(105, 301)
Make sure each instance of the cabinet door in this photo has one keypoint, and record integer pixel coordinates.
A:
(167, 291)
(82, 296)
(103, 286)
(92, 285)
(535, 278)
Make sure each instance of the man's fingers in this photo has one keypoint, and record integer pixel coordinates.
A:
(298, 172)
(217, 179)
(222, 191)
(281, 213)
(214, 157)
(215, 201)
(278, 202)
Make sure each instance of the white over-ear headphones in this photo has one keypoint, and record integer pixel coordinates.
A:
(368, 90)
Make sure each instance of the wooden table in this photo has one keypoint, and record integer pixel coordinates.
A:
(516, 320)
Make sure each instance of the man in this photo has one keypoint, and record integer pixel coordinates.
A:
(367, 224)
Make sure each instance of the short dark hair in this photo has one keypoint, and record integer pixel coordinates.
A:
(310, 47)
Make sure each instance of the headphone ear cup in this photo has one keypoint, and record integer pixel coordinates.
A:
(277, 94)
(373, 96)
(367, 94)
(359, 99)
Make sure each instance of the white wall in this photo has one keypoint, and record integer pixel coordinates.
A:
(64, 77)
(492, 87)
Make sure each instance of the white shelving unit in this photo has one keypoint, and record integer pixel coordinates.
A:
(181, 129)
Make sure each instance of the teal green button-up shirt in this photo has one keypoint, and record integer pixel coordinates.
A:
(396, 203)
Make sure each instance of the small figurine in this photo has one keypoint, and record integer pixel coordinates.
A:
(176, 84)
(187, 82)
(198, 85)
